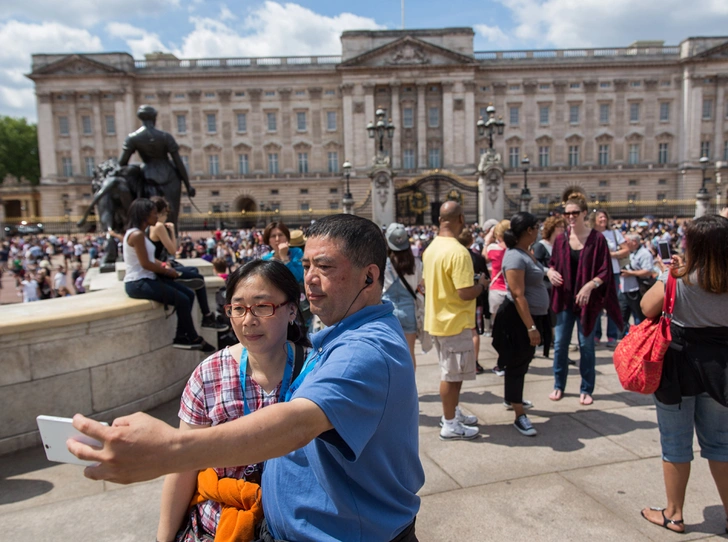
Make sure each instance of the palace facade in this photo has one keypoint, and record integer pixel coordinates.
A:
(266, 134)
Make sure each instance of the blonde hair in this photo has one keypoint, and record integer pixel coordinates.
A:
(500, 229)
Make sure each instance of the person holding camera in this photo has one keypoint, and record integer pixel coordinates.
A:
(639, 269)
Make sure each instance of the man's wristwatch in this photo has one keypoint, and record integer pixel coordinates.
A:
(532, 328)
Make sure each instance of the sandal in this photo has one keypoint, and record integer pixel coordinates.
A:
(556, 395)
(679, 523)
(586, 399)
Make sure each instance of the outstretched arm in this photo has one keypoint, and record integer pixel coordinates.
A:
(139, 447)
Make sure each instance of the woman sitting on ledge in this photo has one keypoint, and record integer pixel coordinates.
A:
(147, 278)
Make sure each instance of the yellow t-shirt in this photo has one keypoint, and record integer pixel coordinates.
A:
(447, 267)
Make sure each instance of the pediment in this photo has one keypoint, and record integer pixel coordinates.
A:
(719, 52)
(407, 51)
(76, 65)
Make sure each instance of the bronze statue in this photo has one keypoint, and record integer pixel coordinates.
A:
(154, 146)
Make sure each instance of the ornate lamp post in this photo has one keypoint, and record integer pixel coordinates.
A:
(702, 198)
(525, 192)
(703, 166)
(382, 126)
(348, 201)
(492, 125)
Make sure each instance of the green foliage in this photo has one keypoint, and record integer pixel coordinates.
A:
(19, 149)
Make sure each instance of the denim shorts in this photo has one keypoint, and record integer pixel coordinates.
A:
(700, 414)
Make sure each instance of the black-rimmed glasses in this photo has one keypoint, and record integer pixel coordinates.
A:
(261, 310)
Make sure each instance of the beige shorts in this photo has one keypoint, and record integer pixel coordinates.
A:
(456, 356)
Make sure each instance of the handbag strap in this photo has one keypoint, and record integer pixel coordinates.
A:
(668, 304)
(406, 284)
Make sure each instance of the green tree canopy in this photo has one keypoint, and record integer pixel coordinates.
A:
(19, 149)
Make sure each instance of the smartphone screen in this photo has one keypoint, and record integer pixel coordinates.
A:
(664, 249)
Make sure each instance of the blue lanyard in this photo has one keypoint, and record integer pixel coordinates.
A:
(308, 366)
(285, 383)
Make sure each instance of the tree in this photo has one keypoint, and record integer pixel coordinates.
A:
(19, 149)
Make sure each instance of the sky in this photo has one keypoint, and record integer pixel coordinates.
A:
(212, 28)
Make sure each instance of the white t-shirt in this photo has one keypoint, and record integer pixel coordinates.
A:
(30, 290)
(59, 279)
(614, 240)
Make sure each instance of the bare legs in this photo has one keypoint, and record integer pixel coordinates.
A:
(411, 343)
(719, 470)
(450, 396)
(676, 477)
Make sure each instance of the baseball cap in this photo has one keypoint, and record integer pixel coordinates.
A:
(397, 237)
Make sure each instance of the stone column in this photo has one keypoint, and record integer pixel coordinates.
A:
(98, 127)
(383, 202)
(74, 136)
(448, 142)
(286, 130)
(370, 148)
(347, 92)
(421, 126)
(720, 115)
(491, 193)
(257, 129)
(164, 113)
(648, 152)
(227, 121)
(317, 161)
(590, 118)
(123, 122)
(197, 158)
(470, 123)
(46, 137)
(396, 141)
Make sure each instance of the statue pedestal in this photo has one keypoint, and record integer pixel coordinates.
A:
(701, 203)
(383, 204)
(107, 268)
(491, 194)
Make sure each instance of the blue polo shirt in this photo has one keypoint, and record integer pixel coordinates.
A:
(359, 481)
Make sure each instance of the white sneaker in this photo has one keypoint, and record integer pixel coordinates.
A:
(526, 405)
(460, 417)
(458, 431)
(523, 424)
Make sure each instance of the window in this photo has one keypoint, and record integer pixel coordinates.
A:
(603, 197)
(303, 162)
(603, 184)
(213, 164)
(186, 162)
(211, 123)
(634, 112)
(433, 117)
(181, 124)
(329, 92)
(665, 83)
(333, 157)
(707, 109)
(271, 119)
(242, 122)
(575, 85)
(514, 114)
(543, 200)
(274, 192)
(635, 83)
(273, 163)
(331, 121)
(239, 93)
(573, 114)
(179, 95)
(632, 182)
(662, 181)
(90, 166)
(632, 196)
(333, 190)
(603, 155)
(333, 205)
(705, 149)
(243, 166)
(484, 113)
(67, 165)
(408, 120)
(605, 84)
(275, 206)
(544, 86)
(544, 154)
(514, 186)
(270, 92)
(514, 157)
(663, 153)
(573, 155)
(543, 184)
(664, 111)
(303, 191)
(514, 87)
(305, 207)
(214, 192)
(634, 153)
(301, 121)
(543, 114)
(63, 126)
(661, 196)
(110, 125)
(216, 208)
(433, 158)
(604, 113)
(209, 94)
(408, 159)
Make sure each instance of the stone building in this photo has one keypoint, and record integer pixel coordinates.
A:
(271, 134)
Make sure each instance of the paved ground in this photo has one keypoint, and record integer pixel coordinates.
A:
(584, 477)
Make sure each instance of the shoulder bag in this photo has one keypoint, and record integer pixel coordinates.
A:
(422, 335)
(639, 356)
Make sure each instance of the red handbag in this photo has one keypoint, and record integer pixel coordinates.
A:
(639, 356)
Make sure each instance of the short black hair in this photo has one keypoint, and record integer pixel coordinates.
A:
(139, 211)
(520, 222)
(363, 241)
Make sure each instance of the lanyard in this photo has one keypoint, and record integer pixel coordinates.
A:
(283, 395)
(308, 366)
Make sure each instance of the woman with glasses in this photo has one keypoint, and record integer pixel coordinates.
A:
(147, 278)
(579, 269)
(262, 304)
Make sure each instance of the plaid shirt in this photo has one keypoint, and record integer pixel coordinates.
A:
(213, 395)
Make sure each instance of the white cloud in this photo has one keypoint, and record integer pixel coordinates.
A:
(226, 14)
(137, 39)
(270, 30)
(493, 35)
(84, 12)
(17, 42)
(596, 23)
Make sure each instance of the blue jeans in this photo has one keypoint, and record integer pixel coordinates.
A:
(700, 414)
(167, 291)
(565, 321)
(613, 331)
(404, 305)
(200, 293)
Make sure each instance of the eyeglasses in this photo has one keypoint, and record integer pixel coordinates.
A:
(572, 213)
(261, 310)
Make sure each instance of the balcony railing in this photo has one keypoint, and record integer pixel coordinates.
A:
(610, 52)
(243, 62)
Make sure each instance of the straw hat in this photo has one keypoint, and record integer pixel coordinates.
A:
(297, 239)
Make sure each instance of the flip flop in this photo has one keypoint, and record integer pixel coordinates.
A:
(586, 399)
(665, 521)
(556, 395)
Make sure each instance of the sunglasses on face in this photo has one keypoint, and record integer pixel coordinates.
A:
(572, 213)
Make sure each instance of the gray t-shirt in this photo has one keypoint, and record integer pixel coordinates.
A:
(694, 307)
(536, 294)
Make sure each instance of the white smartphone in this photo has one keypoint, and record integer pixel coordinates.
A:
(54, 432)
(663, 247)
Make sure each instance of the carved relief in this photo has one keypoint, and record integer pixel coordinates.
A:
(488, 159)
(492, 185)
(381, 186)
(458, 104)
(358, 107)
(409, 54)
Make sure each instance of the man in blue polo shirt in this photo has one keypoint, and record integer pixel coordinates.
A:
(343, 460)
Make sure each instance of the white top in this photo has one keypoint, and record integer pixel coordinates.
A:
(390, 275)
(30, 290)
(134, 270)
(614, 239)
